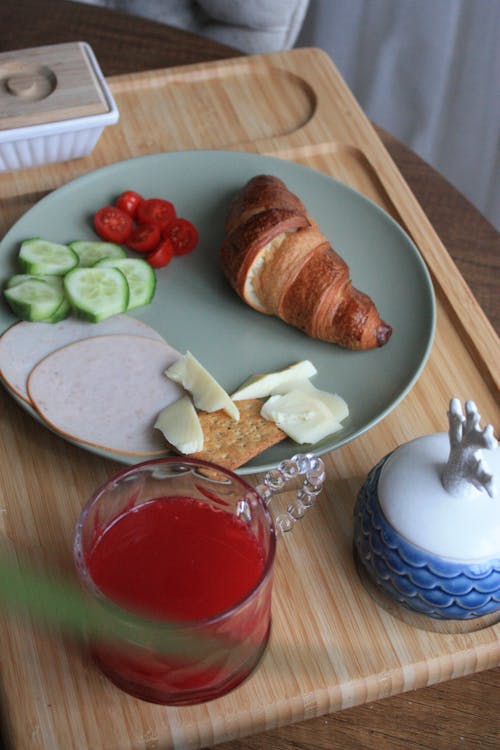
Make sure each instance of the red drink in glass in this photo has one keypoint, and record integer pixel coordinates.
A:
(172, 542)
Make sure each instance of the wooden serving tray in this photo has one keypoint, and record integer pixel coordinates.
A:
(332, 645)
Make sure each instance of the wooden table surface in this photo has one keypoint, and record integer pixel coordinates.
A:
(462, 713)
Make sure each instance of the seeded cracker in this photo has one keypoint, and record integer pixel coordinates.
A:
(231, 444)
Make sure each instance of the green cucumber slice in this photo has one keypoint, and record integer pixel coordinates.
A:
(18, 278)
(89, 253)
(34, 299)
(140, 276)
(56, 283)
(62, 312)
(97, 293)
(38, 256)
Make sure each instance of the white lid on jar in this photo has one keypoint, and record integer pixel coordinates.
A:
(462, 528)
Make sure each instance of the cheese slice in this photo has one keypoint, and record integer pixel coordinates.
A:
(270, 383)
(180, 425)
(332, 401)
(305, 416)
(207, 394)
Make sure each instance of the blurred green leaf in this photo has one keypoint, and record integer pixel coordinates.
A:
(59, 603)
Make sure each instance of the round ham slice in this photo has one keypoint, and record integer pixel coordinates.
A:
(106, 391)
(24, 344)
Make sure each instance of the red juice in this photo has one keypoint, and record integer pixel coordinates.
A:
(177, 558)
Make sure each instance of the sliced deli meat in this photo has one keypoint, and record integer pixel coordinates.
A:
(106, 391)
(24, 344)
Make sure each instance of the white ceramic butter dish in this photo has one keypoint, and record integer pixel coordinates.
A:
(54, 104)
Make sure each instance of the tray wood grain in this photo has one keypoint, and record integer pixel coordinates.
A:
(332, 646)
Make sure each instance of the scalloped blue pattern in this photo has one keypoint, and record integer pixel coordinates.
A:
(419, 580)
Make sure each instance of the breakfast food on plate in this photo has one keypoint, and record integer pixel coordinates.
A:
(37, 297)
(92, 279)
(105, 391)
(207, 394)
(269, 383)
(231, 443)
(307, 416)
(271, 406)
(90, 389)
(24, 344)
(181, 426)
(141, 279)
(305, 413)
(208, 424)
(146, 225)
(277, 259)
(90, 252)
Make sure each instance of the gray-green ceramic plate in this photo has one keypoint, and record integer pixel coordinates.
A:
(194, 308)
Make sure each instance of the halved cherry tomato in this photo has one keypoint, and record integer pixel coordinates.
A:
(155, 211)
(144, 238)
(162, 255)
(183, 235)
(128, 201)
(112, 224)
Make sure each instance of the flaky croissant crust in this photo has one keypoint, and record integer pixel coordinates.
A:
(277, 259)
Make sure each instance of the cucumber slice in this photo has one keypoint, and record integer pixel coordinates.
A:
(38, 256)
(62, 312)
(34, 299)
(56, 283)
(97, 293)
(140, 277)
(18, 278)
(90, 252)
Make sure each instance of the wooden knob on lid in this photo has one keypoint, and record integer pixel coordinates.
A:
(30, 83)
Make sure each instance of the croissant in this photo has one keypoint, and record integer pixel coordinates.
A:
(276, 258)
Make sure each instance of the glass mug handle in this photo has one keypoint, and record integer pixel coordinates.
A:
(307, 465)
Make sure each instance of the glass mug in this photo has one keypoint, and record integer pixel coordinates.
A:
(186, 541)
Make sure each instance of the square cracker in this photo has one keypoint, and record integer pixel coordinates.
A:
(231, 444)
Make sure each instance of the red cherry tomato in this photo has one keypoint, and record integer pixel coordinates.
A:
(183, 235)
(162, 255)
(144, 238)
(112, 224)
(155, 211)
(128, 201)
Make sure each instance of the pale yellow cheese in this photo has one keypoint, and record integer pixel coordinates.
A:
(207, 394)
(307, 416)
(180, 425)
(267, 384)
